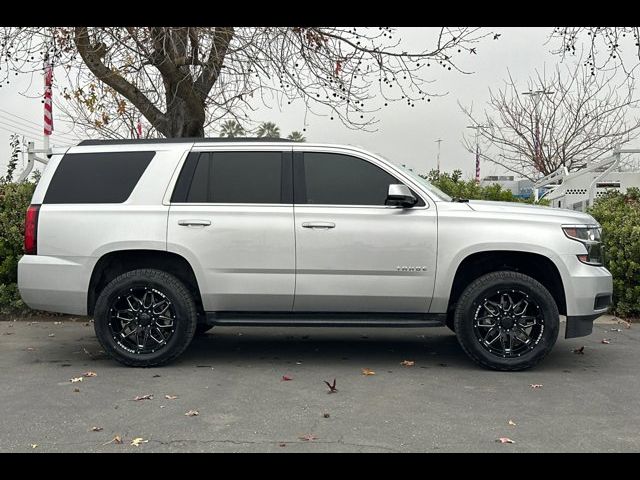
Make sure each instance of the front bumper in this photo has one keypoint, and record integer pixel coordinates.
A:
(588, 291)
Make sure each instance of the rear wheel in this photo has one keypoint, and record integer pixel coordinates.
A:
(506, 321)
(145, 318)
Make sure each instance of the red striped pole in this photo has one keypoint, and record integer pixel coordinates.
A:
(48, 103)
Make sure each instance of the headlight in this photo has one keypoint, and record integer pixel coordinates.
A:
(589, 236)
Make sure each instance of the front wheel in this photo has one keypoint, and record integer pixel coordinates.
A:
(145, 318)
(506, 321)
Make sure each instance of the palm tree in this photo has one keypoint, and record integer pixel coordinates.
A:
(268, 130)
(297, 137)
(231, 129)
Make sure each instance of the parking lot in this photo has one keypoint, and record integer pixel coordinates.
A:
(262, 389)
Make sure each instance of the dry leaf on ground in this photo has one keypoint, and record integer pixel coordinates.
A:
(368, 371)
(137, 441)
(536, 385)
(332, 386)
(52, 334)
(117, 440)
(579, 351)
(512, 423)
(96, 429)
(34, 445)
(192, 413)
(286, 378)
(282, 445)
(308, 437)
(606, 341)
(504, 440)
(407, 363)
(89, 374)
(625, 323)
(57, 323)
(144, 397)
(326, 415)
(76, 379)
(170, 397)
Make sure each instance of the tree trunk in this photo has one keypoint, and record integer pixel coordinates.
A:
(183, 121)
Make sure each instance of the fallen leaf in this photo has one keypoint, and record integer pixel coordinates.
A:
(192, 413)
(326, 415)
(615, 329)
(57, 323)
(308, 437)
(286, 378)
(407, 363)
(30, 349)
(282, 445)
(606, 341)
(117, 440)
(156, 376)
(76, 379)
(625, 323)
(96, 429)
(52, 334)
(332, 387)
(504, 440)
(89, 374)
(144, 397)
(579, 351)
(512, 423)
(76, 390)
(137, 441)
(170, 397)
(34, 445)
(368, 371)
(536, 385)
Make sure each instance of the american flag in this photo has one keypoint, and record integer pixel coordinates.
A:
(48, 103)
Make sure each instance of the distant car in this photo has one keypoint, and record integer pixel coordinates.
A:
(162, 239)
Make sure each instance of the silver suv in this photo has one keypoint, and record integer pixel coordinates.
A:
(160, 240)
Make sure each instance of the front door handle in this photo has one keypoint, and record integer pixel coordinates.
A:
(194, 223)
(319, 225)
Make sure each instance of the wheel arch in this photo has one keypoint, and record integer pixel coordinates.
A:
(115, 263)
(535, 265)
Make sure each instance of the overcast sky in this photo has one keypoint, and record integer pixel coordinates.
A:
(404, 134)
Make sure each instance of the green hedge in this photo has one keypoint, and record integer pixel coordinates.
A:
(619, 215)
(14, 200)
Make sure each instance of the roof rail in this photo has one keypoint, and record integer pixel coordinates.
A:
(138, 141)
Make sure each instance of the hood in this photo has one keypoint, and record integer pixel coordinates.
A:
(513, 208)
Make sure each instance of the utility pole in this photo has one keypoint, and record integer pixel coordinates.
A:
(476, 128)
(537, 141)
(439, 141)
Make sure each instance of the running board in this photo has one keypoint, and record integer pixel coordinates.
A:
(325, 319)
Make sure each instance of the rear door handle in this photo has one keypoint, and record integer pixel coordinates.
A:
(319, 225)
(194, 223)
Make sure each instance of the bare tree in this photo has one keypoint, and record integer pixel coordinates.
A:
(562, 119)
(607, 48)
(182, 79)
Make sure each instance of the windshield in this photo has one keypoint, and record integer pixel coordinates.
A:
(424, 183)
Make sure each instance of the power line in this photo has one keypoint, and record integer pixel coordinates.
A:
(29, 128)
(23, 130)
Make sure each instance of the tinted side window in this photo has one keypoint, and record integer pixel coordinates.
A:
(232, 177)
(335, 179)
(108, 177)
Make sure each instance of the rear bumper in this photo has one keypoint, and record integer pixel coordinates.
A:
(54, 284)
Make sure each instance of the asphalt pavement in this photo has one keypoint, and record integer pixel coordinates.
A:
(263, 390)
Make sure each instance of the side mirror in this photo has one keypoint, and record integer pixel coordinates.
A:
(400, 196)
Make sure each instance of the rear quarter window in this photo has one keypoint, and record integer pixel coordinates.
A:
(107, 177)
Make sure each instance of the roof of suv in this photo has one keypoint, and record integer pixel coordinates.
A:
(138, 141)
